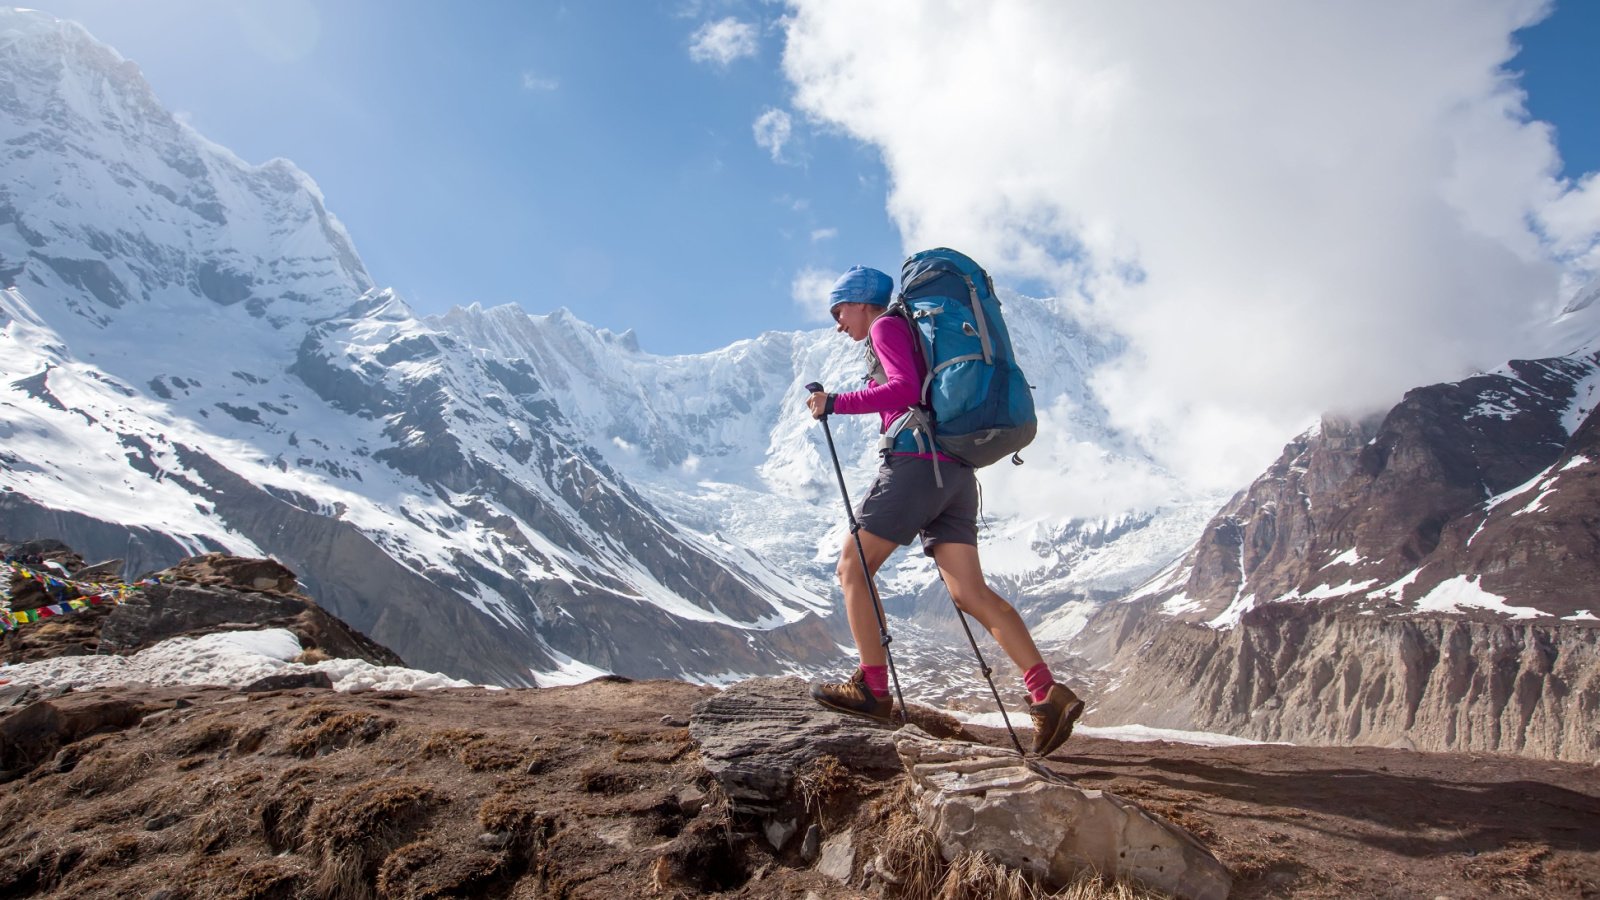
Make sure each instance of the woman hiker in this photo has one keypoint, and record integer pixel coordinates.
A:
(904, 501)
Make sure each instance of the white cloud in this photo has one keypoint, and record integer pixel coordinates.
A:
(538, 83)
(1283, 208)
(772, 131)
(723, 41)
(1094, 483)
(824, 234)
(809, 291)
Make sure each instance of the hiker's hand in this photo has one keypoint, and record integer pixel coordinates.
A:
(818, 404)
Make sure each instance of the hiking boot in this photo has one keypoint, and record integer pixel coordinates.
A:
(1053, 719)
(854, 697)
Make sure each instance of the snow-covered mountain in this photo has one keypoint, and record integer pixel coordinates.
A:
(192, 356)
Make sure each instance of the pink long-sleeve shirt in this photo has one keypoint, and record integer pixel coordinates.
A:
(894, 344)
(891, 340)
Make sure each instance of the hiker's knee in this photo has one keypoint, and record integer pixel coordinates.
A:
(976, 600)
(845, 568)
(848, 568)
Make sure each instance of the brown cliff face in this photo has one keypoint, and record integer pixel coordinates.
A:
(1423, 578)
(1316, 674)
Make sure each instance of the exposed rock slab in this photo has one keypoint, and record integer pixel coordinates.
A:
(1026, 818)
(757, 733)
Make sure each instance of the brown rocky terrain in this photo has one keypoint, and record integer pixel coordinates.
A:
(617, 788)
(640, 788)
(598, 790)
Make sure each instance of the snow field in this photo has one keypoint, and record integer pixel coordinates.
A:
(229, 659)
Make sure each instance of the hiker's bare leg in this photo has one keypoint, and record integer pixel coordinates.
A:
(958, 564)
(858, 607)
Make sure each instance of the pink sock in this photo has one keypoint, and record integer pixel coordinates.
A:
(1039, 680)
(877, 679)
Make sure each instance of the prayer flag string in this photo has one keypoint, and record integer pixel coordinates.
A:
(92, 593)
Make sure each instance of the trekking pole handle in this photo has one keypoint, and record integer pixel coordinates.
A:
(815, 387)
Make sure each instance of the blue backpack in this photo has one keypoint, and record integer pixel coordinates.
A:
(976, 405)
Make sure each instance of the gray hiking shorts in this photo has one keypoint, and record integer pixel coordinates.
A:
(904, 502)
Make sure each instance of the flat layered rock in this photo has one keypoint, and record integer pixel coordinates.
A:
(1026, 817)
(757, 733)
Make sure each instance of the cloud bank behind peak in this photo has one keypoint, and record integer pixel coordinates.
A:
(1284, 209)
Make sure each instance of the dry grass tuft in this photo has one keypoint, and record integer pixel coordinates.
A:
(98, 774)
(1510, 871)
(908, 856)
(447, 741)
(312, 656)
(654, 746)
(1092, 887)
(326, 730)
(215, 829)
(426, 869)
(246, 877)
(974, 876)
(819, 780)
(353, 832)
(283, 812)
(122, 850)
(606, 781)
(490, 755)
(203, 738)
(513, 814)
(251, 739)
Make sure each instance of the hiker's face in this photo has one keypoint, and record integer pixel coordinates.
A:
(855, 319)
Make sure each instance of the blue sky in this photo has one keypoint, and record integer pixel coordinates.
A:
(544, 154)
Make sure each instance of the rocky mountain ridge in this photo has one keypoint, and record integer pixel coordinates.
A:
(1465, 491)
(1423, 579)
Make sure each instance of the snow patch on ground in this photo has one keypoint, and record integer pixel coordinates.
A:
(1349, 558)
(1582, 615)
(567, 671)
(1064, 623)
(230, 659)
(1584, 396)
(1234, 613)
(1465, 591)
(1324, 591)
(1178, 604)
(1398, 588)
(1132, 733)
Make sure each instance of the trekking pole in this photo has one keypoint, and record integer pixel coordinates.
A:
(861, 552)
(983, 666)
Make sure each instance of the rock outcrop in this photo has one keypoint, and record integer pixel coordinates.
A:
(774, 753)
(197, 596)
(976, 799)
